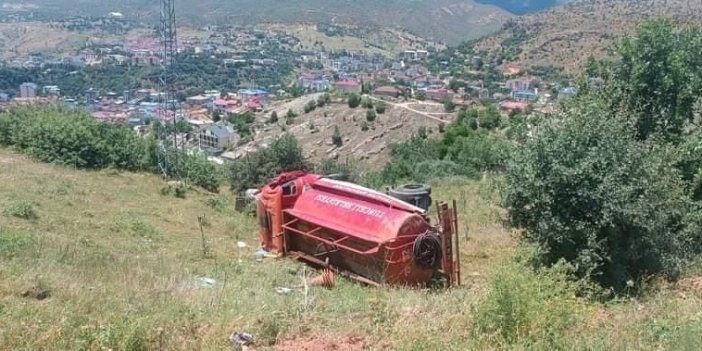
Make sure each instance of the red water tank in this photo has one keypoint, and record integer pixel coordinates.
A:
(374, 237)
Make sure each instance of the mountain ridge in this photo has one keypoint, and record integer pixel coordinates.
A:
(448, 21)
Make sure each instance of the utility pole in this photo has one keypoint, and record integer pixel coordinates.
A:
(168, 86)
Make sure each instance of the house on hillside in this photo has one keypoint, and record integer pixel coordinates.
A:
(388, 91)
(314, 82)
(348, 86)
(522, 83)
(438, 94)
(218, 136)
(514, 106)
(199, 100)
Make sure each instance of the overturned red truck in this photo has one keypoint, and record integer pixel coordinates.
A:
(361, 233)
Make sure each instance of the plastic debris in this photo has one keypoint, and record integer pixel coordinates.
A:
(261, 253)
(281, 290)
(204, 282)
(240, 244)
(240, 340)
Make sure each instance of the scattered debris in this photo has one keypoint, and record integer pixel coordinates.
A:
(261, 253)
(241, 340)
(325, 279)
(283, 290)
(204, 282)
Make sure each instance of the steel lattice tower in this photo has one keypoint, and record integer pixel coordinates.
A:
(168, 86)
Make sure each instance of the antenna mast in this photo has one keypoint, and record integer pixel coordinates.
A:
(168, 160)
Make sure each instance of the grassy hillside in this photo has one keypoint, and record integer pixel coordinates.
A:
(566, 36)
(102, 260)
(444, 20)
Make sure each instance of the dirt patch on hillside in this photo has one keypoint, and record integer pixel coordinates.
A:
(320, 343)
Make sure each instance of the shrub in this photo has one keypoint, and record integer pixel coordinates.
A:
(449, 106)
(336, 137)
(310, 106)
(254, 169)
(346, 171)
(380, 108)
(533, 309)
(70, 137)
(367, 103)
(353, 100)
(13, 243)
(364, 126)
(274, 117)
(217, 203)
(20, 209)
(370, 115)
(586, 191)
(490, 118)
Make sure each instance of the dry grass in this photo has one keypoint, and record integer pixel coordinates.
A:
(566, 36)
(118, 265)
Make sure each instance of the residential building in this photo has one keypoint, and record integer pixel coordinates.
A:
(522, 84)
(514, 106)
(388, 91)
(28, 90)
(438, 94)
(217, 136)
(525, 95)
(52, 90)
(348, 86)
(199, 100)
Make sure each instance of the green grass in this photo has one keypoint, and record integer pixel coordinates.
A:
(122, 265)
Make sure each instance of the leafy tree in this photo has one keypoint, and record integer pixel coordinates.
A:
(353, 100)
(310, 106)
(370, 115)
(256, 168)
(336, 137)
(584, 190)
(449, 106)
(380, 108)
(658, 75)
(367, 103)
(490, 118)
(364, 126)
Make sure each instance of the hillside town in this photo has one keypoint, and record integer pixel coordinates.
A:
(291, 71)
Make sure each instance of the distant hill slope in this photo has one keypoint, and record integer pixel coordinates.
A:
(566, 36)
(523, 6)
(443, 20)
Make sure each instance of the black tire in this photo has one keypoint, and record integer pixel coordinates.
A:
(416, 194)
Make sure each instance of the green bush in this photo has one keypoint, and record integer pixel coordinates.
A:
(346, 171)
(254, 169)
(13, 243)
(274, 118)
(353, 100)
(310, 106)
(532, 309)
(20, 209)
(364, 126)
(490, 118)
(583, 189)
(370, 116)
(337, 139)
(380, 108)
(69, 137)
